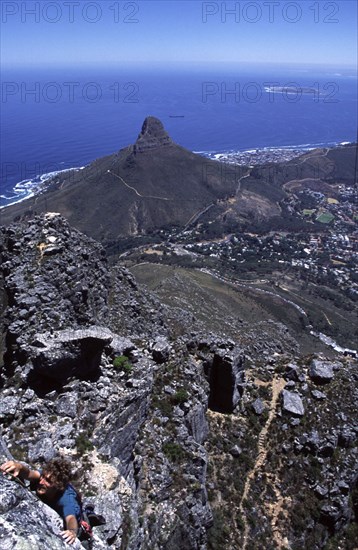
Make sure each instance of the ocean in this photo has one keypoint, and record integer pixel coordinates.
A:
(56, 119)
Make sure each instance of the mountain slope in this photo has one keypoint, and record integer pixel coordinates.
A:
(148, 185)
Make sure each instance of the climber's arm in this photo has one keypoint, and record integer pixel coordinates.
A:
(70, 534)
(17, 469)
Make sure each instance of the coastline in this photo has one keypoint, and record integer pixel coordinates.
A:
(253, 157)
(26, 189)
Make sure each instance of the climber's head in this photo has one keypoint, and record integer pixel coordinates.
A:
(54, 478)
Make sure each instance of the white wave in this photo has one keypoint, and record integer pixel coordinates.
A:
(28, 188)
(7, 197)
(298, 147)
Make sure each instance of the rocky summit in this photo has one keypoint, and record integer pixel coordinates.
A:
(181, 436)
(152, 136)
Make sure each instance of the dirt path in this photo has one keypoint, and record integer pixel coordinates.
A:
(135, 190)
(41, 248)
(277, 386)
(281, 506)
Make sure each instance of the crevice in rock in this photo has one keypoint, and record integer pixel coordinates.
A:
(42, 385)
(225, 375)
(221, 389)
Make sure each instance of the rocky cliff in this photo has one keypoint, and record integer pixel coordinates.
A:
(89, 373)
(178, 439)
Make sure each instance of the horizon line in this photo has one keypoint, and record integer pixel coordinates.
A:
(169, 64)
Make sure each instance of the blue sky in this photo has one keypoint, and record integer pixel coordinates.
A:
(178, 31)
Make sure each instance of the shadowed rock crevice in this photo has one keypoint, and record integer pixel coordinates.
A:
(71, 353)
(226, 376)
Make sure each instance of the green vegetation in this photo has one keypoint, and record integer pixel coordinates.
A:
(306, 508)
(173, 451)
(83, 444)
(352, 536)
(163, 405)
(179, 397)
(122, 364)
(325, 217)
(196, 486)
(218, 535)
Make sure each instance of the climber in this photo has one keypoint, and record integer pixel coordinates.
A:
(52, 486)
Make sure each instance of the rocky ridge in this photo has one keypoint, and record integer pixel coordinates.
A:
(164, 424)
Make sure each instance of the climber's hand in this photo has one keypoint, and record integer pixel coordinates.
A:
(69, 536)
(11, 467)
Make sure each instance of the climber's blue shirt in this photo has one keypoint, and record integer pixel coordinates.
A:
(68, 504)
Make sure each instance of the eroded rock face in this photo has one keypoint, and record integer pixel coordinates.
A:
(152, 136)
(52, 292)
